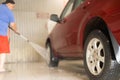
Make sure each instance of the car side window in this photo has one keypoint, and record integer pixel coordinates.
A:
(78, 2)
(67, 10)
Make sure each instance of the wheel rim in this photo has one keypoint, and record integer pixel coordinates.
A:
(48, 55)
(95, 56)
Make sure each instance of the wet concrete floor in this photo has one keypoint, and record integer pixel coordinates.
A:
(67, 70)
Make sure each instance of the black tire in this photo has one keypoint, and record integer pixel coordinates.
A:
(53, 61)
(98, 61)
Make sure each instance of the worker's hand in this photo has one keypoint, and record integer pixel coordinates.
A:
(13, 26)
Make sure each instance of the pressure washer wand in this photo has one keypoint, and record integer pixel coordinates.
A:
(42, 51)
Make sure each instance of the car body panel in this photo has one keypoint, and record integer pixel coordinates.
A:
(67, 38)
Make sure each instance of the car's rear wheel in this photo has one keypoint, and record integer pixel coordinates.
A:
(51, 60)
(97, 57)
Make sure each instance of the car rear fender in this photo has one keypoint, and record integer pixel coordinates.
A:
(114, 44)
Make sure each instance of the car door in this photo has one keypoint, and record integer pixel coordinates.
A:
(59, 32)
(72, 27)
(72, 22)
(66, 37)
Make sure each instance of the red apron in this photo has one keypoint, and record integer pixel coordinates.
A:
(4, 44)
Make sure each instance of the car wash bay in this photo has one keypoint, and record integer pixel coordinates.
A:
(32, 18)
(23, 61)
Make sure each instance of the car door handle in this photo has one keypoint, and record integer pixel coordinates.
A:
(86, 5)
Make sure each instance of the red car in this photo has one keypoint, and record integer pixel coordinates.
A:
(88, 29)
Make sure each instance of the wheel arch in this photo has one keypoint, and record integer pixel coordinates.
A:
(98, 23)
(47, 41)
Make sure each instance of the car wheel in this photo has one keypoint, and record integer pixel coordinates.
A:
(97, 58)
(51, 60)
